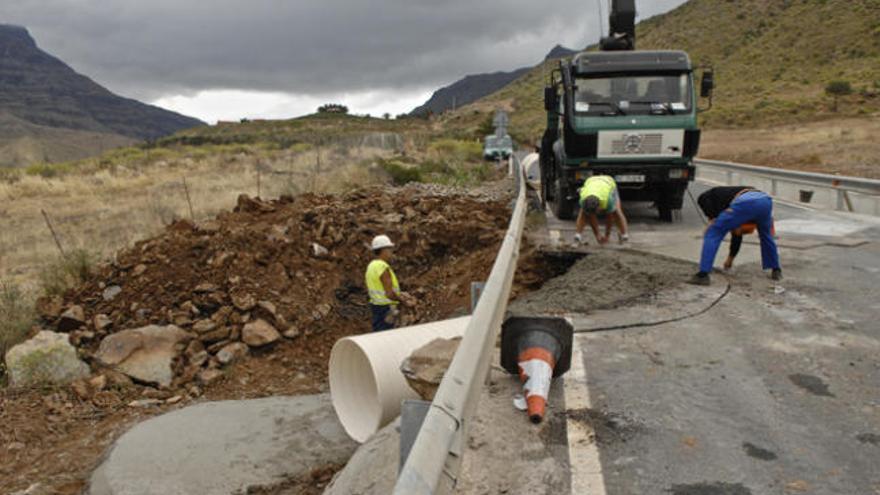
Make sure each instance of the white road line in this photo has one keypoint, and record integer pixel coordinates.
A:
(583, 453)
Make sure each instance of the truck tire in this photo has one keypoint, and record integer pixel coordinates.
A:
(665, 212)
(563, 208)
(670, 200)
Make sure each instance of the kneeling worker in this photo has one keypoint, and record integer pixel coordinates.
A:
(599, 196)
(383, 287)
(728, 209)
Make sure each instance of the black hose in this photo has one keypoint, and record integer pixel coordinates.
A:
(662, 322)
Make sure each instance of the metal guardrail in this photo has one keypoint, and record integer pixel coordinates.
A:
(434, 462)
(837, 192)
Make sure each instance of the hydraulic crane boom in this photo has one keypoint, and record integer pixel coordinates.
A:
(622, 26)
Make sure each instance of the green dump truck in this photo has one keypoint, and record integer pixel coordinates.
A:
(624, 113)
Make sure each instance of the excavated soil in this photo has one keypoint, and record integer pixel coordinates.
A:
(262, 252)
(604, 280)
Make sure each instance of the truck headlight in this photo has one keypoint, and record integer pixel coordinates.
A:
(678, 173)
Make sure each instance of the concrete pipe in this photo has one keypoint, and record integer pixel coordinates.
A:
(366, 385)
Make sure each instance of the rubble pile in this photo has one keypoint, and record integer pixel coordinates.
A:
(176, 309)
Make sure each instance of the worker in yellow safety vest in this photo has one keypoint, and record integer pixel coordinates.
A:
(383, 287)
(599, 196)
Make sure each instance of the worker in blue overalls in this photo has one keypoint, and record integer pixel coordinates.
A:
(727, 209)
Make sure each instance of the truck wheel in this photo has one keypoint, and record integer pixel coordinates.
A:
(665, 213)
(563, 207)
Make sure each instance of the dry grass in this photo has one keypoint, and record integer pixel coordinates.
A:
(845, 146)
(16, 318)
(104, 210)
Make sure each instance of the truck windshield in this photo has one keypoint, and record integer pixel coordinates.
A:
(642, 94)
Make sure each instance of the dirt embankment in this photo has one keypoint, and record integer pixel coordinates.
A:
(257, 262)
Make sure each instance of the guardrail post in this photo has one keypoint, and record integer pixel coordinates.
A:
(729, 177)
(840, 199)
(774, 189)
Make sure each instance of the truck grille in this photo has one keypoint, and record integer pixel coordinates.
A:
(638, 144)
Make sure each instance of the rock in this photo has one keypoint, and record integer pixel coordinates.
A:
(111, 292)
(259, 333)
(81, 388)
(205, 288)
(72, 319)
(46, 358)
(292, 333)
(102, 322)
(139, 270)
(232, 353)
(145, 354)
(144, 403)
(319, 251)
(190, 307)
(194, 347)
(98, 382)
(50, 308)
(424, 368)
(321, 311)
(117, 379)
(268, 307)
(199, 359)
(35, 489)
(215, 336)
(243, 301)
(209, 376)
(174, 400)
(204, 326)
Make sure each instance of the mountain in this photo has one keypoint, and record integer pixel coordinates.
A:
(42, 100)
(772, 60)
(474, 87)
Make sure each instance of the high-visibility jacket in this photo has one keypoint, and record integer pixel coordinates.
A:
(375, 288)
(601, 186)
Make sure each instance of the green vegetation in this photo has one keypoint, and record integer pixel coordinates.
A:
(16, 318)
(448, 161)
(837, 89)
(66, 272)
(773, 61)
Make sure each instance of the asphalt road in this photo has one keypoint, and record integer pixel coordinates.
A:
(776, 390)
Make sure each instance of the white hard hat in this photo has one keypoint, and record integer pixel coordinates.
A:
(381, 242)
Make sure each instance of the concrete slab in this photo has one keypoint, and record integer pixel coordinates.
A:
(224, 448)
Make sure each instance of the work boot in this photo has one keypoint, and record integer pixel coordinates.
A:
(777, 274)
(701, 278)
(622, 238)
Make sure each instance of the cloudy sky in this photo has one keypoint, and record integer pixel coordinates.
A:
(228, 59)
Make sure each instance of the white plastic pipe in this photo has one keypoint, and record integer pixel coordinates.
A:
(366, 385)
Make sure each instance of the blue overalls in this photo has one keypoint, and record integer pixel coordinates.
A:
(751, 206)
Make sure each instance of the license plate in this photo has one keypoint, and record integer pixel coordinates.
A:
(630, 178)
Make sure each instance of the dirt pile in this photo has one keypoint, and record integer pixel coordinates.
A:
(603, 280)
(291, 267)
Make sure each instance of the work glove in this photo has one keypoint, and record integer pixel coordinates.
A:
(578, 238)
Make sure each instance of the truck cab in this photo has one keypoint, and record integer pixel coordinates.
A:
(497, 147)
(625, 113)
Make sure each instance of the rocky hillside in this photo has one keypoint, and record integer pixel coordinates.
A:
(40, 94)
(773, 61)
(474, 87)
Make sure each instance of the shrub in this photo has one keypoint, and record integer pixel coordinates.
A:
(16, 317)
(401, 174)
(66, 272)
(836, 89)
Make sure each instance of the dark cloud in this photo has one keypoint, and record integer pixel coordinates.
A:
(147, 49)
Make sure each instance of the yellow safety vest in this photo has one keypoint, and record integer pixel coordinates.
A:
(374, 283)
(601, 186)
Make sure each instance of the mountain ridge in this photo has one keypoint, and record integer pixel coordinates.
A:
(40, 89)
(475, 86)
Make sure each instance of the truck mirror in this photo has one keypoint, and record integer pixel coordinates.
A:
(708, 84)
(550, 99)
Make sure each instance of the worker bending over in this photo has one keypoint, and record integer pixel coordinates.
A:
(736, 239)
(599, 196)
(727, 209)
(382, 286)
